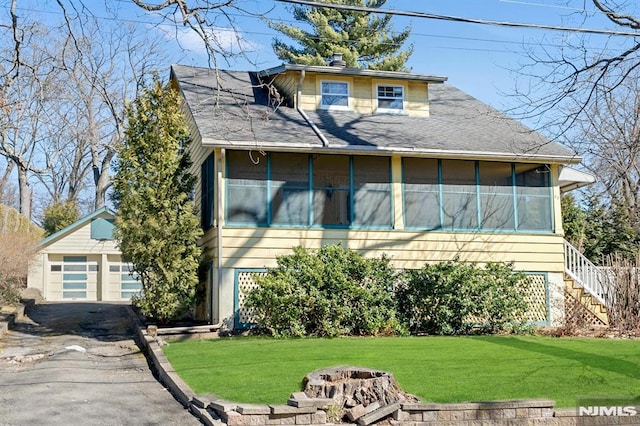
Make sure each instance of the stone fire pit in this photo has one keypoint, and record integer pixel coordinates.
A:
(354, 387)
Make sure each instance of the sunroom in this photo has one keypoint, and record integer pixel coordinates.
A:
(356, 192)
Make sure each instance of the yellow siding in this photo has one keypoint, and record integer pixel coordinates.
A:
(362, 93)
(197, 155)
(557, 212)
(255, 248)
(396, 177)
(417, 99)
(361, 96)
(287, 84)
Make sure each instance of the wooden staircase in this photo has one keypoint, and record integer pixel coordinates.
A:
(581, 307)
(587, 289)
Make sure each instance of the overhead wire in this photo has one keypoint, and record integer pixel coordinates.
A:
(522, 43)
(426, 15)
(290, 21)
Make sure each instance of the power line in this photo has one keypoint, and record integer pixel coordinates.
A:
(460, 19)
(260, 33)
(290, 21)
(550, 6)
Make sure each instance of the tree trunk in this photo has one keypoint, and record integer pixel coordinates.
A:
(25, 191)
(101, 179)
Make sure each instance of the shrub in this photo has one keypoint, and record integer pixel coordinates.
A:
(457, 298)
(332, 291)
(15, 255)
(59, 215)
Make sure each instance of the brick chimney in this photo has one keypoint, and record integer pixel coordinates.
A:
(336, 61)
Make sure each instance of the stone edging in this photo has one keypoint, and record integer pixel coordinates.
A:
(7, 320)
(213, 411)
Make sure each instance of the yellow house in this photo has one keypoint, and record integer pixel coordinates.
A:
(83, 263)
(381, 162)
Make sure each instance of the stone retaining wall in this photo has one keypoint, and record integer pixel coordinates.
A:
(8, 316)
(301, 410)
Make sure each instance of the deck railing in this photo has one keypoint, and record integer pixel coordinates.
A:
(592, 278)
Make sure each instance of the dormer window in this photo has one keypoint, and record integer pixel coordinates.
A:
(390, 99)
(335, 95)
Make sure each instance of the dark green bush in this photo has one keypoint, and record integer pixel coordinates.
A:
(458, 298)
(332, 291)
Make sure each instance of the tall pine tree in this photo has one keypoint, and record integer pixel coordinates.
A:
(365, 40)
(156, 226)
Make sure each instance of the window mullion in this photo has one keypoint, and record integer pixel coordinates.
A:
(551, 210)
(269, 200)
(515, 196)
(351, 192)
(311, 211)
(478, 197)
(440, 194)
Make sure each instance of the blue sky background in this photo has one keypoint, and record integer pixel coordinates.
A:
(482, 60)
(479, 59)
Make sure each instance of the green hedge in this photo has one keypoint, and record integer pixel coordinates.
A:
(460, 298)
(335, 291)
(329, 292)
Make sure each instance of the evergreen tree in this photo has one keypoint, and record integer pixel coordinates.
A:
(608, 230)
(59, 215)
(365, 40)
(156, 226)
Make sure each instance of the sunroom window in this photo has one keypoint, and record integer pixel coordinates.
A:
(331, 190)
(335, 95)
(476, 196)
(289, 202)
(459, 194)
(302, 190)
(533, 196)
(421, 193)
(390, 98)
(496, 195)
(246, 188)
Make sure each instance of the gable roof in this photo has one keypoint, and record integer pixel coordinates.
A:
(76, 225)
(231, 110)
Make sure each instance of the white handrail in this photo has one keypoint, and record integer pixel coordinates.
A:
(585, 273)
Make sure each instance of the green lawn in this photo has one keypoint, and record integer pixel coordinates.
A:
(437, 369)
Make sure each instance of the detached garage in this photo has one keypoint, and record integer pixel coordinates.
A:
(82, 262)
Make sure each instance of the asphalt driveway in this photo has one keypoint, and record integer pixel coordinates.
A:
(77, 364)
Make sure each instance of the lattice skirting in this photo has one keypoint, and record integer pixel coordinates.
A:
(244, 283)
(577, 314)
(536, 295)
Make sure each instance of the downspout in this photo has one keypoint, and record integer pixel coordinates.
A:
(325, 142)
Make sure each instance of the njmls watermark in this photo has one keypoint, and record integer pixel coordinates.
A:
(607, 407)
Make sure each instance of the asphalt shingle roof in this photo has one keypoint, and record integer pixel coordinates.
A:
(231, 109)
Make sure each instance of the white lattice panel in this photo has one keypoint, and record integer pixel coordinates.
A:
(536, 297)
(246, 282)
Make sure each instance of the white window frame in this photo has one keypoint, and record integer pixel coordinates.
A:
(334, 107)
(389, 110)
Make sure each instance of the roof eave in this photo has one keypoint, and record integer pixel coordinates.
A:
(352, 71)
(74, 226)
(378, 150)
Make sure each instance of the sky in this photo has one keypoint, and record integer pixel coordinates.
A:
(482, 60)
